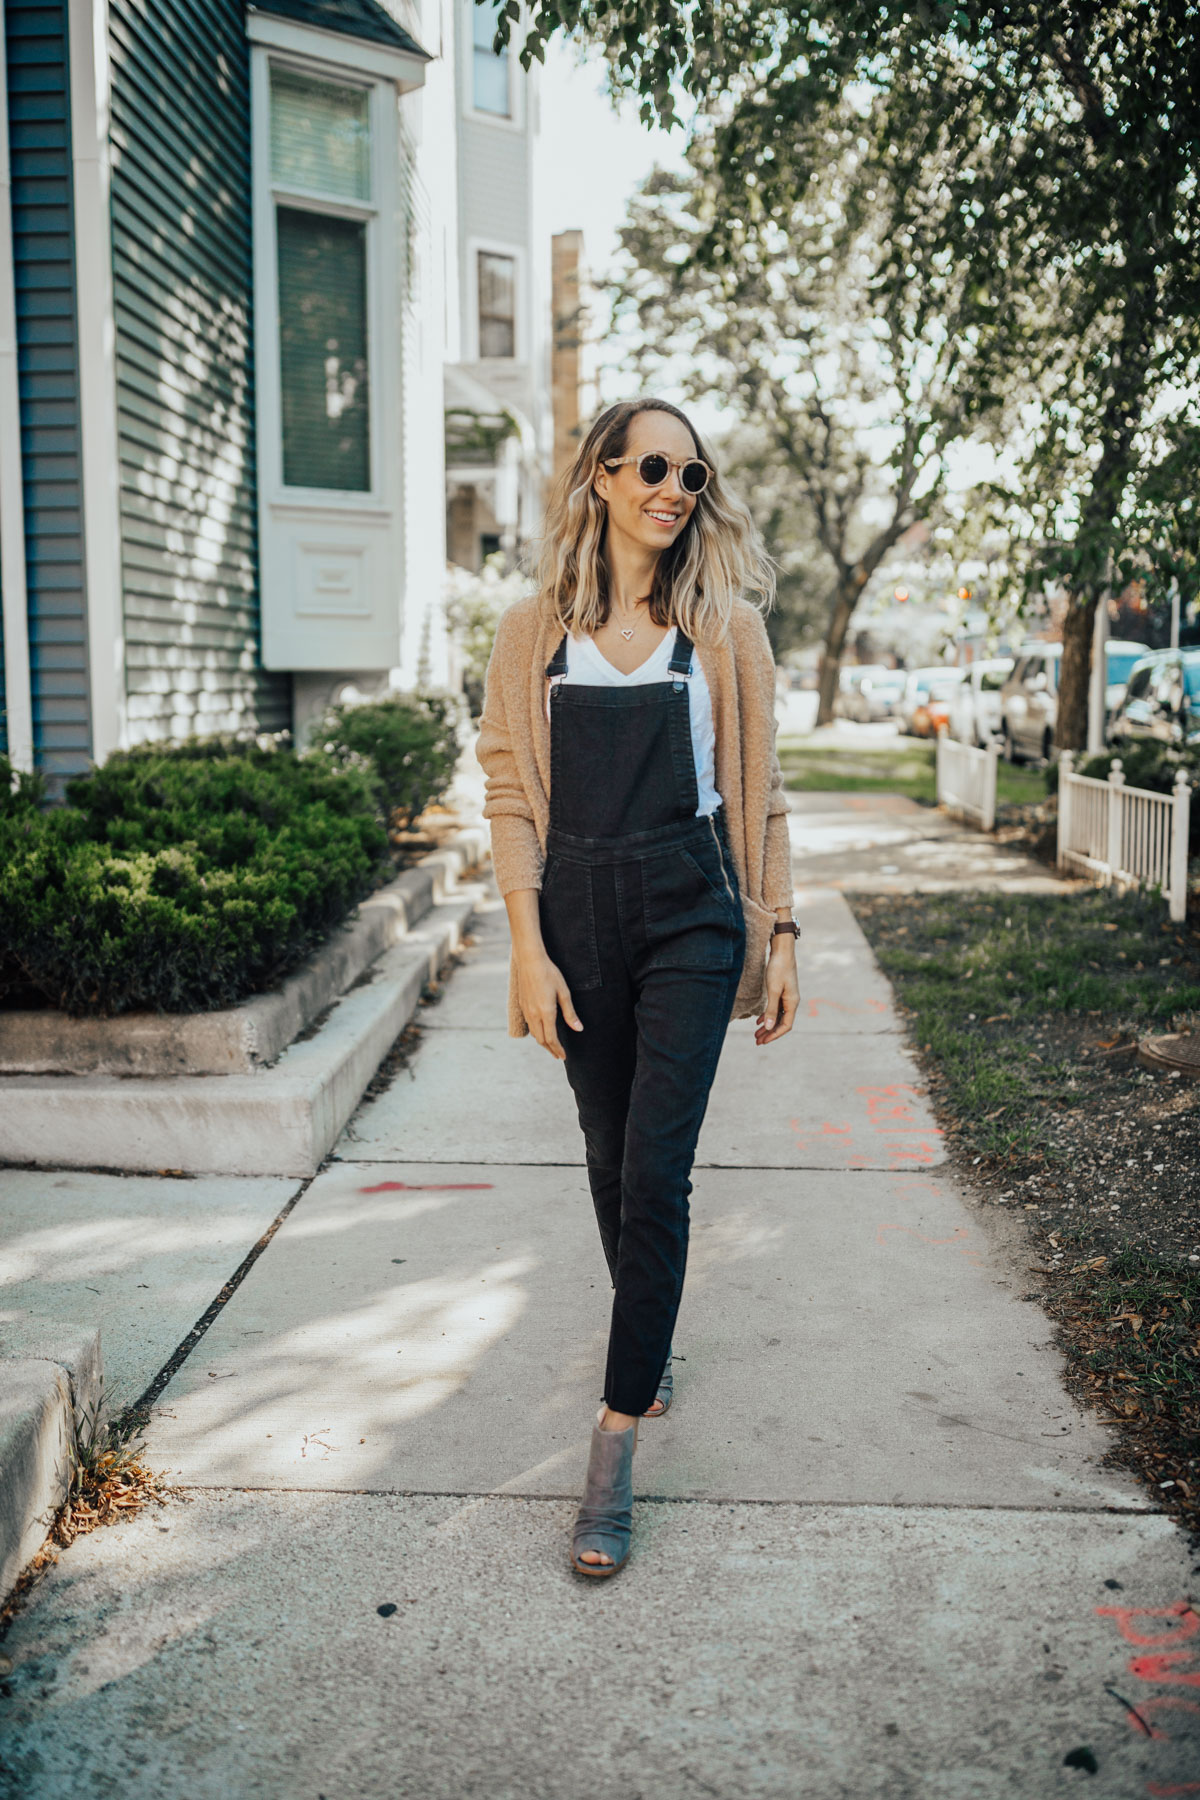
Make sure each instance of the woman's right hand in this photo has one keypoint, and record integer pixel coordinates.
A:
(543, 991)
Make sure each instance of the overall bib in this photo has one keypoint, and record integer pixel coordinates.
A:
(640, 911)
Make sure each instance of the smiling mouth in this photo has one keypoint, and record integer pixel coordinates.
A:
(663, 518)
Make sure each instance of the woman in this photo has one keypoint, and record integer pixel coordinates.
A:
(639, 838)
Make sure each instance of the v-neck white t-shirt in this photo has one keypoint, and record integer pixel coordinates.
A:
(588, 667)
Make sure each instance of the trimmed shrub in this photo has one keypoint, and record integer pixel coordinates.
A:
(19, 793)
(411, 741)
(183, 879)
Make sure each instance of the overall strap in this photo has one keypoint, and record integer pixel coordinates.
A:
(680, 665)
(556, 668)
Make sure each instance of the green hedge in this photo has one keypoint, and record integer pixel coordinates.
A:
(181, 879)
(412, 742)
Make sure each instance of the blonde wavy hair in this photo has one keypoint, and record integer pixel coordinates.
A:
(717, 557)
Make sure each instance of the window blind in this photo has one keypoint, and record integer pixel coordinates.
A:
(323, 350)
(320, 135)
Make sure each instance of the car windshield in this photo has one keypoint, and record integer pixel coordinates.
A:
(942, 686)
(1120, 662)
(1191, 677)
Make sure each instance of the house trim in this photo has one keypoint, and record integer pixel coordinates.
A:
(96, 329)
(377, 215)
(343, 544)
(312, 46)
(18, 698)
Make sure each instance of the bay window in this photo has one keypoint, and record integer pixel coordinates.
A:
(331, 168)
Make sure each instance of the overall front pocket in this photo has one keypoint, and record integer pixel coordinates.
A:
(568, 918)
(691, 921)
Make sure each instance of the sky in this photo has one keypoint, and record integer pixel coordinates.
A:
(590, 156)
(590, 159)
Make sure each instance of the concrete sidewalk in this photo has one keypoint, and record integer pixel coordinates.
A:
(876, 1555)
(888, 844)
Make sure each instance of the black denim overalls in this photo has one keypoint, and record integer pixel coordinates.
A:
(640, 911)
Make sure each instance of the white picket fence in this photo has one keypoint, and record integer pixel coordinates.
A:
(1123, 835)
(966, 779)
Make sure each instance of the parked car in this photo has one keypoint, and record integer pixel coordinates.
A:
(925, 708)
(1029, 698)
(849, 702)
(1121, 658)
(1162, 701)
(1029, 703)
(975, 707)
(879, 696)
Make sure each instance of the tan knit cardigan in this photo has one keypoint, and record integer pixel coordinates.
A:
(514, 749)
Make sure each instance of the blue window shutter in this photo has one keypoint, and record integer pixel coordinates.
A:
(48, 383)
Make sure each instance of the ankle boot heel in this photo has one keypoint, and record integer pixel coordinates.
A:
(604, 1522)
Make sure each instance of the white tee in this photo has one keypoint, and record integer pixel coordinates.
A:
(587, 666)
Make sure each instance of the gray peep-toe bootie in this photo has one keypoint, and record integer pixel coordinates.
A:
(666, 1390)
(604, 1522)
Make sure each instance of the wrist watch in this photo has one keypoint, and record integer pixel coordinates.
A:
(786, 925)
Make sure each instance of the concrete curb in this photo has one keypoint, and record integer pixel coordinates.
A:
(46, 1402)
(277, 1121)
(237, 1040)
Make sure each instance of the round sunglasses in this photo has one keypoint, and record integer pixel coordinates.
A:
(653, 467)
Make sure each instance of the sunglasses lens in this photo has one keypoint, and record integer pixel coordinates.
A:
(653, 469)
(693, 477)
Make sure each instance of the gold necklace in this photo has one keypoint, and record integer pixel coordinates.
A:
(627, 631)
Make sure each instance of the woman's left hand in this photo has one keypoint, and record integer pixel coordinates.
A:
(783, 991)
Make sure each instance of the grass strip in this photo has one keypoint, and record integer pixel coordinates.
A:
(906, 767)
(1026, 1011)
(1131, 1332)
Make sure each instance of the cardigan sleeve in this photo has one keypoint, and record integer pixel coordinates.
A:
(516, 852)
(778, 891)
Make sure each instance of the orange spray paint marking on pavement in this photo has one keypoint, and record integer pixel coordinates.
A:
(1182, 1623)
(427, 1187)
(955, 1238)
(1181, 1610)
(890, 1114)
(1140, 1720)
(817, 1001)
(1162, 1668)
(803, 1133)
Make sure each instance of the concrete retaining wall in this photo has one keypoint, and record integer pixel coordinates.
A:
(238, 1039)
(279, 1120)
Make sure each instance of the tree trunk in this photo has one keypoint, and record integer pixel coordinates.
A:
(1074, 675)
(841, 611)
(1099, 535)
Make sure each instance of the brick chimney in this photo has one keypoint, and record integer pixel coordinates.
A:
(567, 283)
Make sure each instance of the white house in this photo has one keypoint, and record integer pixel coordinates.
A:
(499, 429)
(240, 246)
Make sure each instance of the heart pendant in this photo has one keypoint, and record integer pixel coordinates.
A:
(627, 634)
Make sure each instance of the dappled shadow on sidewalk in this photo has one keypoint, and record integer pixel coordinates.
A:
(886, 843)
